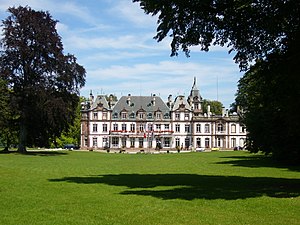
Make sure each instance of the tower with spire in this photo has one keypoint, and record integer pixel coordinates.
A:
(195, 99)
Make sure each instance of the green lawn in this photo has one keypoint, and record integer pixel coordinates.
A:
(71, 187)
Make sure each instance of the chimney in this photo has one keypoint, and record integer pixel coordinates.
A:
(153, 100)
(128, 99)
(223, 111)
(208, 111)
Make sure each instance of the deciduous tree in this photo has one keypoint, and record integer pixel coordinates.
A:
(265, 33)
(44, 81)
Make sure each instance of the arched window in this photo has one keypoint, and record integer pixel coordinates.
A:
(220, 127)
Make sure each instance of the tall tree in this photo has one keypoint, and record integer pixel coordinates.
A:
(45, 83)
(270, 100)
(266, 33)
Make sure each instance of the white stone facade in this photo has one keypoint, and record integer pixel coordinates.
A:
(146, 122)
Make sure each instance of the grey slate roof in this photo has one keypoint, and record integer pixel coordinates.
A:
(148, 104)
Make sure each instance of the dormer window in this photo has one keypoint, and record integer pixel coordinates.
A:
(149, 116)
(141, 115)
(95, 115)
(166, 116)
(158, 115)
(115, 115)
(177, 116)
(124, 115)
(131, 115)
(104, 115)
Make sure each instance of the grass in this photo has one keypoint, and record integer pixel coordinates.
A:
(191, 188)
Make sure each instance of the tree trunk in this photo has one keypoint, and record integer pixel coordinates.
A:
(22, 138)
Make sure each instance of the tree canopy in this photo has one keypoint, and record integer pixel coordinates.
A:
(215, 106)
(252, 29)
(264, 34)
(44, 82)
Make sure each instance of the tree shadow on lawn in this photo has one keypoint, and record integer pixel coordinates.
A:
(193, 186)
(254, 161)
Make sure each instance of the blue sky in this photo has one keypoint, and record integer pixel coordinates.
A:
(113, 40)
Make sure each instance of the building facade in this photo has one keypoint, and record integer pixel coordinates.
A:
(147, 122)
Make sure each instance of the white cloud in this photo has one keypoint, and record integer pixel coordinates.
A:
(133, 13)
(164, 78)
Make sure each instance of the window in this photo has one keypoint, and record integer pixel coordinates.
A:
(115, 142)
(206, 128)
(158, 115)
(187, 128)
(131, 115)
(177, 142)
(124, 115)
(177, 128)
(158, 127)
(115, 127)
(141, 127)
(233, 142)
(150, 127)
(166, 142)
(167, 127)
(132, 140)
(132, 127)
(141, 115)
(220, 127)
(206, 142)
(186, 116)
(95, 115)
(187, 142)
(141, 142)
(149, 116)
(177, 116)
(95, 143)
(104, 115)
(124, 127)
(198, 128)
(95, 127)
(198, 142)
(196, 106)
(115, 116)
(219, 142)
(104, 127)
(85, 141)
(233, 128)
(124, 142)
(166, 116)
